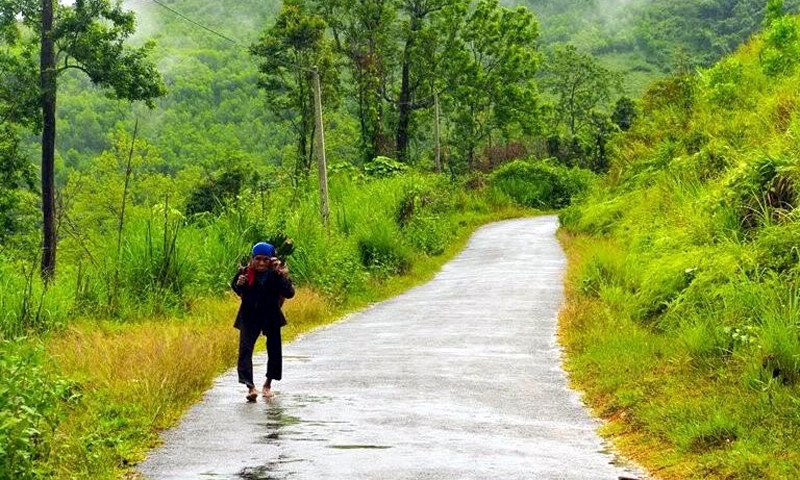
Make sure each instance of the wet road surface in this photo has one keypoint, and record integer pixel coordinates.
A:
(456, 379)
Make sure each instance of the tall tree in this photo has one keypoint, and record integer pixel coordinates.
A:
(426, 34)
(364, 33)
(580, 86)
(494, 76)
(288, 50)
(88, 36)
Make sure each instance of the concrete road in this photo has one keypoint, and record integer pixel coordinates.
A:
(457, 379)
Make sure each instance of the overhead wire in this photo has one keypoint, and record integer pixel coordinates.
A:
(214, 32)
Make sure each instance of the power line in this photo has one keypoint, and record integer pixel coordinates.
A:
(214, 32)
(196, 23)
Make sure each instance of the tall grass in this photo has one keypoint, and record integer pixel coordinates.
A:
(684, 274)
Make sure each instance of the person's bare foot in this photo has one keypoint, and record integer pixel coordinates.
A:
(252, 395)
(266, 391)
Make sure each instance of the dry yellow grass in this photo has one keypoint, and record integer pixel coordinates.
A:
(151, 370)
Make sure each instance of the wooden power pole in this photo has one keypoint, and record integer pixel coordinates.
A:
(321, 160)
(437, 162)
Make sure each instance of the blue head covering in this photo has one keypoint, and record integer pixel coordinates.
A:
(263, 248)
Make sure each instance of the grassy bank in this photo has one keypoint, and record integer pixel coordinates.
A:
(679, 414)
(136, 378)
(683, 317)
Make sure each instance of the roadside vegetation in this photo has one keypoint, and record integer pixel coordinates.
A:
(678, 208)
(683, 318)
(103, 367)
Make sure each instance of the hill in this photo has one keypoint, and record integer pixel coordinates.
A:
(684, 314)
(647, 39)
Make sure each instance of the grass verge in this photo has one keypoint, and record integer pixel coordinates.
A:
(676, 417)
(136, 379)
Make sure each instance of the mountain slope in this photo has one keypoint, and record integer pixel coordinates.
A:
(684, 322)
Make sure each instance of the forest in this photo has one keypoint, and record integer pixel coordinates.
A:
(184, 130)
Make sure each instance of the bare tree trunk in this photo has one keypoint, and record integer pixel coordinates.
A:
(323, 168)
(48, 85)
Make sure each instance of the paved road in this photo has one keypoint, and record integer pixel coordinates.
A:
(457, 379)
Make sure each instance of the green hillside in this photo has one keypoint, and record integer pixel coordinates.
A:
(647, 39)
(685, 318)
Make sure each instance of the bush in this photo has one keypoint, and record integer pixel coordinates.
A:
(383, 167)
(32, 403)
(541, 184)
(781, 49)
(428, 234)
(762, 192)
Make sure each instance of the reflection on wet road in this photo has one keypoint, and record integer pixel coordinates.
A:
(456, 379)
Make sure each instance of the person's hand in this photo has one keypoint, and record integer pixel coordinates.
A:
(279, 267)
(241, 280)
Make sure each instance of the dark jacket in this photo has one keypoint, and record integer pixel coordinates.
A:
(261, 301)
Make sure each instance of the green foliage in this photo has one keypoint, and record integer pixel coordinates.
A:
(493, 85)
(698, 229)
(762, 192)
(646, 39)
(288, 50)
(624, 113)
(32, 403)
(781, 49)
(383, 167)
(541, 184)
(381, 248)
(724, 82)
(219, 190)
(581, 86)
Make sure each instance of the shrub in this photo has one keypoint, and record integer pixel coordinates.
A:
(762, 192)
(723, 83)
(32, 403)
(540, 184)
(781, 49)
(428, 234)
(383, 167)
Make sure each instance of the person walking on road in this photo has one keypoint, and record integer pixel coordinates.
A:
(262, 285)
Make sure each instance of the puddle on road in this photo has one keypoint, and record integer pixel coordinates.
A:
(358, 447)
(257, 473)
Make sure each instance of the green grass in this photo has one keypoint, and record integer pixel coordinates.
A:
(132, 354)
(682, 316)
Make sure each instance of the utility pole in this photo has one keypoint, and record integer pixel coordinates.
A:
(48, 104)
(437, 162)
(321, 161)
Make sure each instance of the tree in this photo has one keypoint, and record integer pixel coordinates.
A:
(624, 113)
(773, 12)
(428, 33)
(89, 37)
(580, 86)
(288, 51)
(494, 75)
(364, 32)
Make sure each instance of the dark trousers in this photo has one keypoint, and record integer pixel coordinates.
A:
(247, 341)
